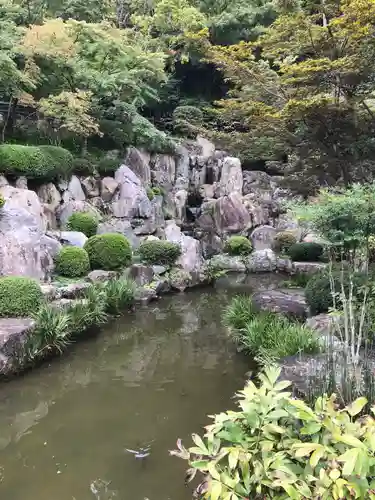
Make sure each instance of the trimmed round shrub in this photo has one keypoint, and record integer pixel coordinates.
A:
(35, 162)
(72, 262)
(83, 222)
(108, 166)
(83, 166)
(159, 252)
(238, 245)
(19, 296)
(306, 252)
(318, 290)
(283, 241)
(108, 251)
(190, 114)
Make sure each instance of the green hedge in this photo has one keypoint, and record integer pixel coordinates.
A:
(83, 222)
(19, 296)
(238, 245)
(35, 162)
(72, 262)
(159, 252)
(306, 252)
(108, 251)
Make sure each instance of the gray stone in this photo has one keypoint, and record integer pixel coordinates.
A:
(3, 181)
(286, 223)
(161, 287)
(308, 267)
(291, 303)
(284, 265)
(50, 248)
(121, 226)
(230, 216)
(138, 161)
(97, 203)
(140, 274)
(180, 199)
(191, 253)
(328, 327)
(179, 279)
(13, 335)
(262, 261)
(50, 292)
(90, 186)
(159, 270)
(67, 209)
(21, 183)
(262, 237)
(256, 182)
(100, 276)
(229, 263)
(74, 291)
(73, 238)
(182, 165)
(74, 191)
(49, 195)
(211, 245)
(231, 180)
(207, 147)
(144, 295)
(131, 199)
(258, 211)
(63, 304)
(206, 191)
(163, 172)
(108, 187)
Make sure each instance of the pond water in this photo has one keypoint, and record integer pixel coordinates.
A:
(147, 379)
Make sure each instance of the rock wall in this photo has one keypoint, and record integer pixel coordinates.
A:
(206, 197)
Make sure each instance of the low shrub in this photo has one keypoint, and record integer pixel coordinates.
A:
(238, 245)
(283, 241)
(19, 296)
(187, 120)
(83, 166)
(83, 222)
(306, 252)
(239, 312)
(319, 295)
(108, 166)
(119, 295)
(159, 252)
(35, 162)
(276, 446)
(110, 251)
(72, 262)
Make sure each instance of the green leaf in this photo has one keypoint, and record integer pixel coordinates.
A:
(357, 406)
(316, 456)
(276, 414)
(334, 474)
(350, 440)
(233, 458)
(199, 442)
(349, 458)
(303, 449)
(216, 490)
(200, 464)
(292, 492)
(273, 428)
(311, 428)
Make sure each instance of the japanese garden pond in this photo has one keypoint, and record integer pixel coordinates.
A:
(149, 378)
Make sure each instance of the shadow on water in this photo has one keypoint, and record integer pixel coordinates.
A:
(147, 379)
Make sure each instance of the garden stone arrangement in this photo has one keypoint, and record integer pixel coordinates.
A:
(164, 222)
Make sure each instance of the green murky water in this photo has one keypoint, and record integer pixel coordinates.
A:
(149, 378)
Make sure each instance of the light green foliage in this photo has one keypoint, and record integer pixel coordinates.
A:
(187, 120)
(119, 295)
(306, 252)
(238, 245)
(2, 201)
(92, 11)
(110, 251)
(83, 166)
(276, 446)
(157, 191)
(83, 222)
(159, 252)
(283, 241)
(239, 312)
(35, 162)
(19, 296)
(72, 262)
(153, 191)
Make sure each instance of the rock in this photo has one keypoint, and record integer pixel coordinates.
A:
(161, 287)
(229, 263)
(108, 187)
(50, 292)
(179, 279)
(74, 291)
(182, 166)
(131, 199)
(230, 216)
(140, 274)
(73, 238)
(3, 181)
(144, 295)
(13, 335)
(286, 223)
(99, 276)
(163, 172)
(291, 303)
(256, 182)
(211, 245)
(262, 237)
(191, 253)
(258, 211)
(206, 191)
(97, 203)
(308, 267)
(207, 147)
(231, 180)
(74, 191)
(138, 161)
(50, 247)
(262, 261)
(159, 270)
(327, 326)
(314, 238)
(21, 183)
(62, 304)
(90, 186)
(67, 209)
(284, 265)
(121, 226)
(22, 225)
(180, 199)
(49, 194)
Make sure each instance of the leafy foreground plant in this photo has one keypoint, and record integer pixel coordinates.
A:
(279, 447)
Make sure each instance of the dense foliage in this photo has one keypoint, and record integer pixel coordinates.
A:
(276, 446)
(83, 222)
(238, 245)
(305, 252)
(159, 252)
(72, 262)
(109, 251)
(283, 241)
(19, 296)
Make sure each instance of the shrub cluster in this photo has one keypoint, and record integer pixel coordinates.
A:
(35, 162)
(283, 241)
(83, 222)
(72, 262)
(159, 252)
(19, 296)
(238, 245)
(110, 251)
(306, 252)
(83, 166)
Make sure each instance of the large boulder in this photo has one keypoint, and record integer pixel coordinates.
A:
(90, 186)
(74, 191)
(180, 199)
(138, 161)
(262, 237)
(121, 226)
(256, 183)
(108, 187)
(229, 263)
(131, 199)
(67, 209)
(230, 216)
(49, 195)
(291, 303)
(163, 172)
(191, 253)
(231, 180)
(140, 274)
(50, 248)
(13, 335)
(72, 238)
(261, 261)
